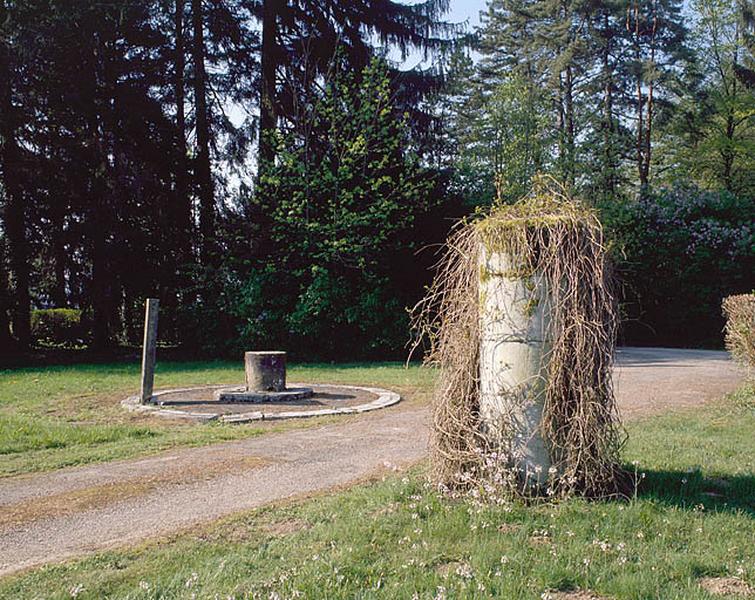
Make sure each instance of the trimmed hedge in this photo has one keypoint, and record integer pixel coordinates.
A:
(57, 326)
(739, 311)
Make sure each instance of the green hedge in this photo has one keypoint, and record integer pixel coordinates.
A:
(57, 326)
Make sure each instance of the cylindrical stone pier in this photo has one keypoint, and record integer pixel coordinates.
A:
(513, 325)
(265, 371)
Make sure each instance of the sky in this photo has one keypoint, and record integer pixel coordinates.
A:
(460, 11)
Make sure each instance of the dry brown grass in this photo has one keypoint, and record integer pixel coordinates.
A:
(559, 239)
(739, 311)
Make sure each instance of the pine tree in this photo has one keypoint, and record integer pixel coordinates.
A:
(299, 39)
(11, 164)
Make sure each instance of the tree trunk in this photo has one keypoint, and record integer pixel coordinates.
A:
(570, 145)
(609, 176)
(59, 260)
(183, 201)
(203, 168)
(268, 112)
(99, 210)
(6, 340)
(727, 154)
(642, 135)
(650, 108)
(14, 215)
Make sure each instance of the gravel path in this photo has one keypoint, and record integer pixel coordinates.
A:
(53, 516)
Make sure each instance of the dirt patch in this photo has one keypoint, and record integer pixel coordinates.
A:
(509, 527)
(573, 595)
(727, 586)
(287, 527)
(540, 540)
(454, 568)
(67, 503)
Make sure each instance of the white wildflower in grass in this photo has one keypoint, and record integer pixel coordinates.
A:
(546, 596)
(504, 560)
(604, 546)
(192, 580)
(586, 562)
(480, 587)
(76, 590)
(464, 571)
(144, 585)
(570, 534)
(440, 593)
(622, 560)
(640, 535)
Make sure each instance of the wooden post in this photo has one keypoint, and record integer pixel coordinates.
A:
(150, 348)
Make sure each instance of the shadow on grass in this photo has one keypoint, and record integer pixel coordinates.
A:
(691, 489)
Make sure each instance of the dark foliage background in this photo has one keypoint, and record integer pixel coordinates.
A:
(272, 175)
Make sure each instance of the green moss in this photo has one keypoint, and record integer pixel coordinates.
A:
(530, 307)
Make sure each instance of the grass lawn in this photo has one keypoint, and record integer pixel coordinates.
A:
(67, 415)
(692, 518)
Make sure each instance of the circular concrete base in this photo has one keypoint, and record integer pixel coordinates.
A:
(364, 399)
(240, 394)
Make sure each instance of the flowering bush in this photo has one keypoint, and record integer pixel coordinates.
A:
(679, 252)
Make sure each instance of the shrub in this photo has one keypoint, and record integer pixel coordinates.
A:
(679, 252)
(57, 326)
(739, 311)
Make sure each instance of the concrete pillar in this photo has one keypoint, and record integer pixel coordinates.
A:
(513, 323)
(265, 371)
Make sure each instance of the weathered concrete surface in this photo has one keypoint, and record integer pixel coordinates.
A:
(180, 488)
(265, 371)
(513, 326)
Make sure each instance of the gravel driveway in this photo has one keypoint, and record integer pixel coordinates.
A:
(53, 516)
